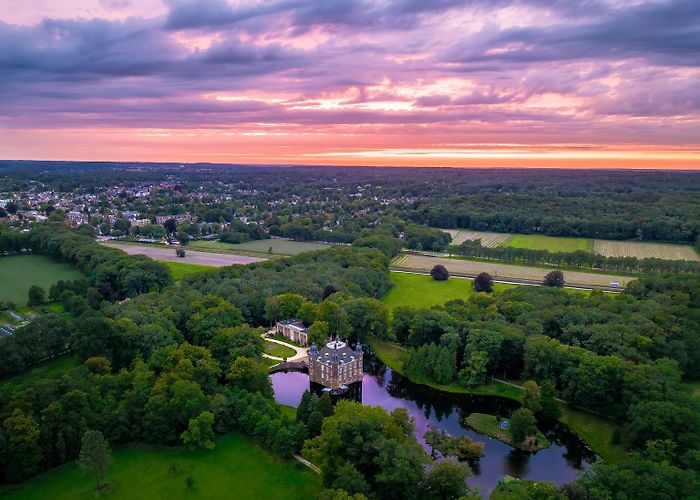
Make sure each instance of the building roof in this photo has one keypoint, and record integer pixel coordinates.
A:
(335, 351)
(293, 323)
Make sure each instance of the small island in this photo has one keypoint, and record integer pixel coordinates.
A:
(501, 429)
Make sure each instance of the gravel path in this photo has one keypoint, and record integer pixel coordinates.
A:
(192, 256)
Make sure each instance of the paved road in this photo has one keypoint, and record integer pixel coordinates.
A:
(300, 352)
(167, 253)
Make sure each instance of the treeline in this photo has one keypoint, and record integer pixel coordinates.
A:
(644, 215)
(111, 273)
(578, 259)
(358, 272)
(622, 356)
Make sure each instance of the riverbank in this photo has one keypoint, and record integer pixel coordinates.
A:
(595, 431)
(489, 425)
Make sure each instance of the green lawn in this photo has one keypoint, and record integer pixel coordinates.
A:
(179, 270)
(422, 291)
(551, 243)
(19, 272)
(278, 350)
(279, 247)
(237, 468)
(42, 370)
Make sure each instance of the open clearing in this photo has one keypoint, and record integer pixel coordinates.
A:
(47, 369)
(273, 246)
(488, 239)
(278, 350)
(422, 291)
(551, 243)
(237, 468)
(645, 250)
(498, 270)
(19, 272)
(167, 253)
(179, 270)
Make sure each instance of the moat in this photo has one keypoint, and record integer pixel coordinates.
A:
(562, 462)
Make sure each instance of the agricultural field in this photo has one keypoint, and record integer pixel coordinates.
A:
(422, 291)
(236, 468)
(271, 246)
(19, 272)
(179, 270)
(167, 254)
(489, 240)
(551, 243)
(506, 271)
(645, 250)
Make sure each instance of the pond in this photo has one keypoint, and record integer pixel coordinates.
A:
(561, 463)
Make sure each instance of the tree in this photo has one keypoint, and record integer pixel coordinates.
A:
(95, 457)
(329, 290)
(251, 375)
(533, 398)
(318, 333)
(20, 445)
(522, 425)
(170, 225)
(550, 407)
(439, 272)
(474, 371)
(199, 433)
(37, 296)
(446, 480)
(483, 283)
(180, 252)
(554, 279)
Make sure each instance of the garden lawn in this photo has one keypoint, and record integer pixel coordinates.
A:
(179, 270)
(237, 468)
(422, 291)
(278, 350)
(43, 370)
(551, 243)
(19, 272)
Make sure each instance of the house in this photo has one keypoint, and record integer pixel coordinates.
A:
(294, 330)
(336, 365)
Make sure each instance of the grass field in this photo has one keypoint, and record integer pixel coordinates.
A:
(279, 247)
(278, 350)
(645, 250)
(484, 423)
(179, 270)
(19, 272)
(421, 290)
(499, 270)
(551, 243)
(237, 468)
(42, 370)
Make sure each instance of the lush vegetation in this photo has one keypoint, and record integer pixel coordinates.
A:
(578, 259)
(551, 243)
(422, 291)
(179, 270)
(18, 273)
(236, 468)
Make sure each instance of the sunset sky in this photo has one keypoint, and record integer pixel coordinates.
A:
(551, 83)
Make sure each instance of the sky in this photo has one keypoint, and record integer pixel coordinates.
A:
(467, 83)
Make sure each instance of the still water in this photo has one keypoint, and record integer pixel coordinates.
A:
(561, 463)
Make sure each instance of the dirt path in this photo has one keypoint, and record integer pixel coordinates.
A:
(167, 253)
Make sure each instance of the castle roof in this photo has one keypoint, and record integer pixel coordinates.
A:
(335, 351)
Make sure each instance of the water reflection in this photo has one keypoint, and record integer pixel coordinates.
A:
(561, 463)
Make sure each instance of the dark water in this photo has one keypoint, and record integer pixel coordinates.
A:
(561, 463)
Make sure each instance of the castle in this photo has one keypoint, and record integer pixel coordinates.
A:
(335, 365)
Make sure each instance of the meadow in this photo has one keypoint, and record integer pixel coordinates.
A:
(270, 247)
(47, 369)
(236, 468)
(422, 291)
(179, 270)
(19, 272)
(507, 271)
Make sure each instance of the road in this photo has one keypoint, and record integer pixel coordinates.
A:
(167, 253)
